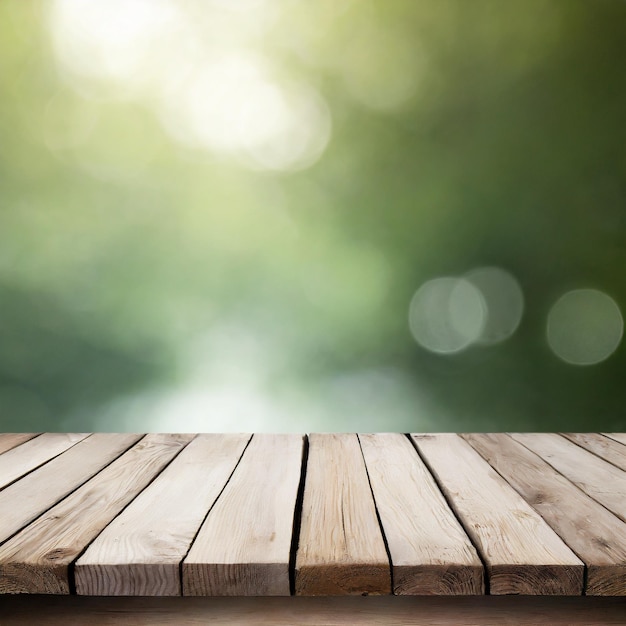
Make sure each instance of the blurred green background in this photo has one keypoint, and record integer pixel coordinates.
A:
(390, 215)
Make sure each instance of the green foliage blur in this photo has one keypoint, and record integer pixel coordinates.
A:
(162, 269)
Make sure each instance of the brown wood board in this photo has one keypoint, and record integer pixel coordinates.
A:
(32, 495)
(619, 437)
(11, 440)
(596, 535)
(140, 552)
(596, 477)
(341, 550)
(243, 547)
(31, 454)
(522, 553)
(430, 552)
(605, 447)
(37, 559)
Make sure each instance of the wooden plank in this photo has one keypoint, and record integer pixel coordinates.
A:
(620, 437)
(12, 440)
(243, 547)
(597, 536)
(601, 480)
(23, 459)
(341, 549)
(341, 611)
(37, 559)
(22, 501)
(140, 552)
(604, 447)
(522, 553)
(430, 552)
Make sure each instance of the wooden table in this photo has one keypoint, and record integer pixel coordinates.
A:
(227, 516)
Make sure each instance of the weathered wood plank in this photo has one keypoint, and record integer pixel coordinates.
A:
(522, 553)
(37, 559)
(597, 536)
(24, 458)
(604, 447)
(12, 440)
(430, 552)
(342, 611)
(243, 547)
(598, 478)
(619, 437)
(341, 549)
(24, 500)
(140, 552)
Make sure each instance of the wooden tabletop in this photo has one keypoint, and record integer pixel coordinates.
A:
(320, 515)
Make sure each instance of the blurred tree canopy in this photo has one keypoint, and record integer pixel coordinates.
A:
(214, 215)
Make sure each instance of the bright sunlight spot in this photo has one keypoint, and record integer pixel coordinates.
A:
(209, 80)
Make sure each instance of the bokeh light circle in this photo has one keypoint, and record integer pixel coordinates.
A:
(585, 326)
(504, 301)
(447, 314)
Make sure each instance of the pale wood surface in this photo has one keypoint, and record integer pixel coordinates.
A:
(11, 440)
(31, 454)
(299, 611)
(600, 479)
(430, 552)
(621, 437)
(37, 559)
(341, 550)
(596, 535)
(346, 515)
(243, 547)
(24, 500)
(605, 447)
(522, 553)
(140, 552)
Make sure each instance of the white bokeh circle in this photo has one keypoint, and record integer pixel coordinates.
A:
(447, 314)
(585, 327)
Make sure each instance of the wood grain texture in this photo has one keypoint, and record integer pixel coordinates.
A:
(522, 553)
(596, 535)
(12, 440)
(506, 493)
(600, 479)
(31, 454)
(620, 437)
(24, 500)
(243, 547)
(430, 552)
(341, 549)
(341, 611)
(37, 559)
(604, 447)
(140, 552)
